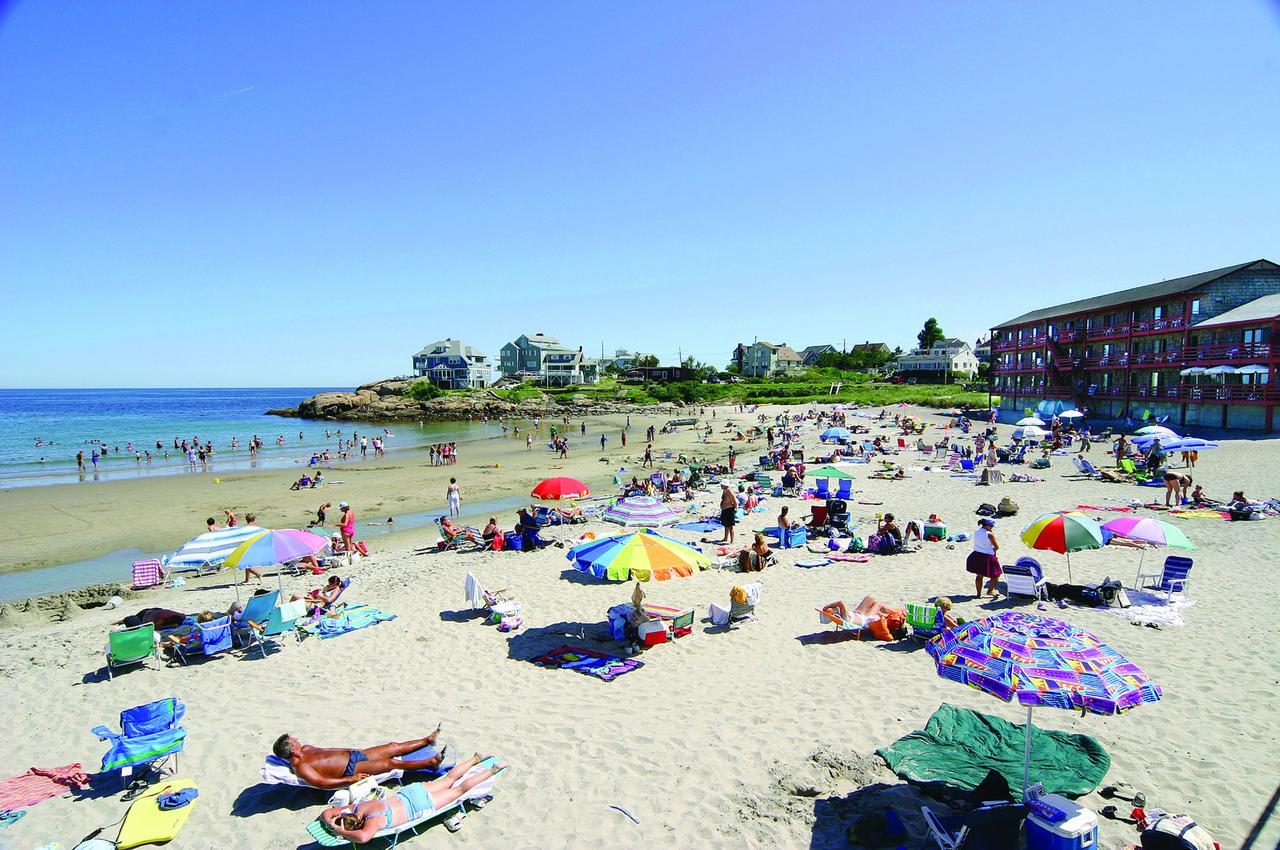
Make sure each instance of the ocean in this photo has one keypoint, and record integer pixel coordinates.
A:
(42, 430)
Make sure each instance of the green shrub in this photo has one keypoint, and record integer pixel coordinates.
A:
(423, 391)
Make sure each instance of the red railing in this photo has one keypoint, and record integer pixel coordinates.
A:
(1157, 325)
(1227, 352)
(1004, 345)
(1066, 336)
(1108, 332)
(1155, 358)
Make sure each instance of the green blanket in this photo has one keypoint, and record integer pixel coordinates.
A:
(957, 746)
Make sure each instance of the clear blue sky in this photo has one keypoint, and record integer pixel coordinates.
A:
(266, 193)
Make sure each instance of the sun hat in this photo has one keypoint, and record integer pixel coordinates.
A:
(343, 505)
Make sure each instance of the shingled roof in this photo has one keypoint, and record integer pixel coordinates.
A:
(1124, 296)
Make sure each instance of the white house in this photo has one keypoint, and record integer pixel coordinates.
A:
(451, 364)
(946, 358)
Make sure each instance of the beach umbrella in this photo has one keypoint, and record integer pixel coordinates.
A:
(836, 434)
(641, 511)
(270, 548)
(828, 472)
(1193, 370)
(1070, 414)
(637, 555)
(1041, 661)
(560, 489)
(1253, 370)
(1190, 444)
(1065, 532)
(1030, 432)
(1221, 370)
(1155, 431)
(1145, 529)
(211, 548)
(1030, 420)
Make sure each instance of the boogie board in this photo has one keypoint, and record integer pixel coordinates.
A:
(147, 823)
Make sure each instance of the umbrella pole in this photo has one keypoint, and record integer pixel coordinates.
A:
(1142, 553)
(1070, 579)
(1026, 758)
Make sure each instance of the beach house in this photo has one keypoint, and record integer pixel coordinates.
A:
(945, 360)
(764, 359)
(545, 359)
(809, 355)
(1199, 349)
(451, 364)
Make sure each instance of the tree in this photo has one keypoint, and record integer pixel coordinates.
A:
(647, 360)
(930, 334)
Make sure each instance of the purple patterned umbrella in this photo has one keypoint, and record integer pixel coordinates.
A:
(1041, 661)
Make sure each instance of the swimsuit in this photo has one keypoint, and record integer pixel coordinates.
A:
(352, 760)
(417, 800)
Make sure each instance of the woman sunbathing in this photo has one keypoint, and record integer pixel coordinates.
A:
(321, 596)
(452, 530)
(869, 612)
(360, 823)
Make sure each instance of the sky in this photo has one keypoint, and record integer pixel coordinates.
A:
(284, 194)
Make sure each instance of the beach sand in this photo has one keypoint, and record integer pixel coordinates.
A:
(722, 738)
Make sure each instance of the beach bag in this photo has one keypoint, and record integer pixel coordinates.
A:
(498, 542)
(873, 543)
(513, 541)
(1111, 593)
(1007, 507)
(986, 509)
(1176, 832)
(855, 545)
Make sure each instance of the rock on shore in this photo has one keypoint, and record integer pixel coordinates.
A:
(386, 401)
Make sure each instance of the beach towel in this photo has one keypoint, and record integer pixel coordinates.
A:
(702, 526)
(291, 611)
(147, 574)
(353, 618)
(1118, 510)
(39, 784)
(1200, 513)
(857, 558)
(957, 747)
(592, 663)
(474, 592)
(1151, 608)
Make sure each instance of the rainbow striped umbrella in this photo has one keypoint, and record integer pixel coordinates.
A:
(1065, 532)
(641, 512)
(270, 548)
(1041, 661)
(637, 555)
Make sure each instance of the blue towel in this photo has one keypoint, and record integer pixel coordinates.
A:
(700, 526)
(355, 617)
(176, 799)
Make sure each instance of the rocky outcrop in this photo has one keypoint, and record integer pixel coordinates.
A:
(386, 401)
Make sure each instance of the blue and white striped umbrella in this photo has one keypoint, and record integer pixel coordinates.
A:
(641, 512)
(211, 548)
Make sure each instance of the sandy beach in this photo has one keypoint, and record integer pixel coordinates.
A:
(757, 736)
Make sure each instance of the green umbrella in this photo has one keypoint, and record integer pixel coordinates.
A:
(828, 472)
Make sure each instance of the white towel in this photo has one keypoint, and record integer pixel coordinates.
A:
(293, 610)
(475, 593)
(719, 615)
(753, 592)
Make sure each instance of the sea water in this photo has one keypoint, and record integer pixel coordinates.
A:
(42, 430)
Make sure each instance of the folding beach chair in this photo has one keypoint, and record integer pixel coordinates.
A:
(149, 734)
(737, 611)
(147, 573)
(214, 637)
(130, 646)
(1172, 578)
(844, 488)
(492, 601)
(1025, 577)
(257, 610)
(283, 620)
(455, 542)
(823, 489)
(925, 619)
(990, 825)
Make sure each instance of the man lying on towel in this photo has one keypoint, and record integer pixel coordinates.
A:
(338, 767)
(360, 823)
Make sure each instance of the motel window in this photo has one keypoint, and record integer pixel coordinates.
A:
(1155, 380)
(1195, 307)
(1157, 313)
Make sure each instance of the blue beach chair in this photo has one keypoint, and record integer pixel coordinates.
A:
(1172, 578)
(214, 637)
(149, 734)
(257, 610)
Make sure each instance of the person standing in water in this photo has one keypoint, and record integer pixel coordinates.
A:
(455, 498)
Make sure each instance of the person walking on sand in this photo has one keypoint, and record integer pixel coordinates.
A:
(455, 498)
(603, 440)
(347, 526)
(733, 458)
(648, 456)
(624, 438)
(983, 561)
(528, 442)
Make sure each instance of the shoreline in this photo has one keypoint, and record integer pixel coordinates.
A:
(69, 523)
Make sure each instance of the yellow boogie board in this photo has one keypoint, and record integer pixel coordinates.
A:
(147, 823)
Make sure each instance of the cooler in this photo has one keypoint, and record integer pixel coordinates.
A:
(652, 632)
(938, 532)
(1077, 828)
